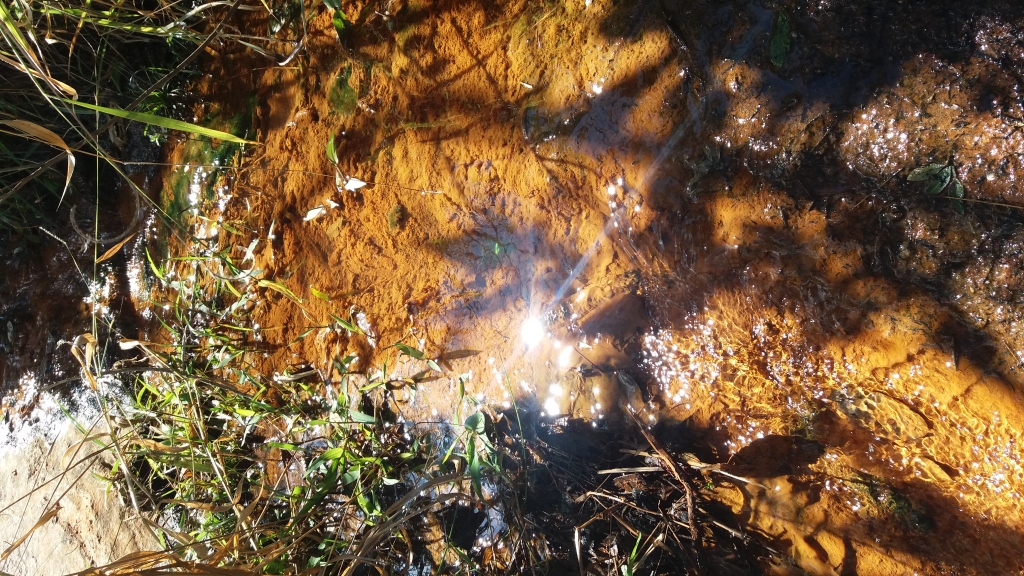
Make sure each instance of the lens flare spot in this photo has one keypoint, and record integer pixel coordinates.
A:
(532, 332)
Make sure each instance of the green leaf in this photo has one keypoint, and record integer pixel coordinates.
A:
(935, 187)
(342, 96)
(946, 174)
(474, 470)
(169, 123)
(156, 269)
(305, 333)
(924, 173)
(333, 4)
(328, 484)
(279, 288)
(321, 295)
(343, 364)
(283, 446)
(410, 351)
(332, 150)
(433, 366)
(372, 385)
(333, 453)
(958, 205)
(350, 326)
(351, 476)
(341, 24)
(940, 180)
(957, 189)
(183, 462)
(476, 422)
(361, 418)
(630, 566)
(780, 40)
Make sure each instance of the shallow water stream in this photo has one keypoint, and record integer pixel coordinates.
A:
(699, 215)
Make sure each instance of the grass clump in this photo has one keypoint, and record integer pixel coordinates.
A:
(301, 472)
(73, 74)
(316, 472)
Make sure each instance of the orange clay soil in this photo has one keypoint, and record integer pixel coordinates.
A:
(717, 243)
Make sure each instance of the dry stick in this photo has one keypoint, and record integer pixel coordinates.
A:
(693, 462)
(62, 475)
(629, 527)
(605, 511)
(88, 364)
(656, 542)
(225, 385)
(371, 539)
(631, 470)
(673, 469)
(50, 510)
(620, 501)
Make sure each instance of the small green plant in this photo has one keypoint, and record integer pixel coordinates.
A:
(319, 478)
(630, 566)
(395, 218)
(338, 18)
(780, 40)
(941, 177)
(342, 96)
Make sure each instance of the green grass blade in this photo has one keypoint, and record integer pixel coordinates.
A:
(280, 288)
(168, 123)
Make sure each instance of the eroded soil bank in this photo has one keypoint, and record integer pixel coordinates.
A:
(698, 218)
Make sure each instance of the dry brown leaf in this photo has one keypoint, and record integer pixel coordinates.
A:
(74, 447)
(42, 520)
(57, 85)
(205, 506)
(247, 511)
(38, 132)
(46, 136)
(114, 250)
(179, 537)
(84, 355)
(158, 447)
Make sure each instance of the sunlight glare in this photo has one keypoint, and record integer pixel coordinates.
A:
(532, 332)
